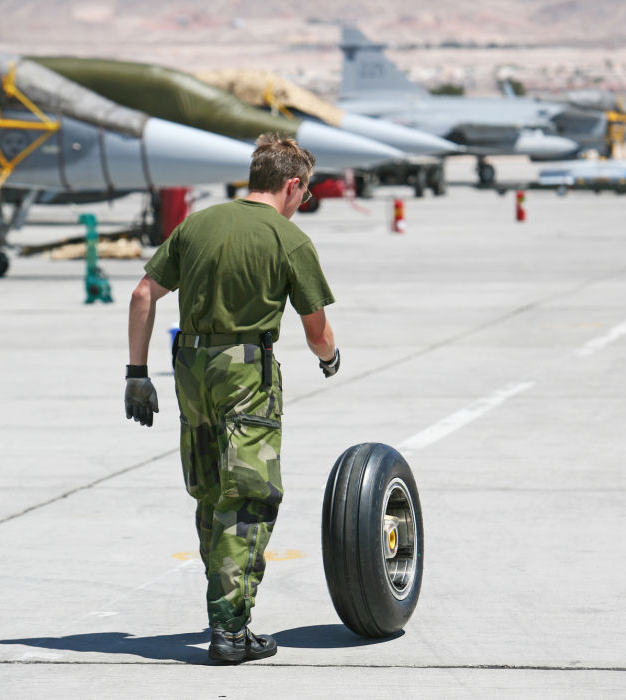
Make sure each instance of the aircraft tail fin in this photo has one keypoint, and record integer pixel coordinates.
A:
(366, 69)
(507, 89)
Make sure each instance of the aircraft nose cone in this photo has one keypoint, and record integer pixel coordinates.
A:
(406, 139)
(179, 154)
(335, 148)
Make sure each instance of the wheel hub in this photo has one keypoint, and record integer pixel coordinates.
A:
(399, 537)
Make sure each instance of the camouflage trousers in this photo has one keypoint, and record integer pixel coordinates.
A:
(230, 435)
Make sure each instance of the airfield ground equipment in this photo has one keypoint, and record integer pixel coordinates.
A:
(372, 539)
(520, 205)
(96, 282)
(398, 224)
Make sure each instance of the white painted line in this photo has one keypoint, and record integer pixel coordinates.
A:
(461, 418)
(37, 656)
(111, 603)
(601, 341)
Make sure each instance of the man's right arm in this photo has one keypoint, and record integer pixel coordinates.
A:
(141, 318)
(320, 338)
(140, 397)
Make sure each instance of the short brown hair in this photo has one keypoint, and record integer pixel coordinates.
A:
(275, 160)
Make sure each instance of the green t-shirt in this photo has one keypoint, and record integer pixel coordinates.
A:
(235, 264)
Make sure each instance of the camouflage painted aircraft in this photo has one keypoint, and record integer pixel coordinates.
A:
(127, 127)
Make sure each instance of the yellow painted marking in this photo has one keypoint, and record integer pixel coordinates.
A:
(185, 556)
(269, 555)
(289, 554)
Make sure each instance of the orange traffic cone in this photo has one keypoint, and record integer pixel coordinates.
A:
(398, 225)
(520, 210)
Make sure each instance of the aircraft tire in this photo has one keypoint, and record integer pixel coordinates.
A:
(372, 539)
(486, 174)
(438, 182)
(4, 263)
(419, 182)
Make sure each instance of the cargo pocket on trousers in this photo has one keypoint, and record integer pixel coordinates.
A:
(188, 459)
(250, 465)
(277, 388)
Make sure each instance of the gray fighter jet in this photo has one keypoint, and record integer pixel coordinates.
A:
(57, 138)
(180, 97)
(586, 174)
(373, 86)
(93, 147)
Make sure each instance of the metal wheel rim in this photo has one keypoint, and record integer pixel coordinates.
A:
(400, 569)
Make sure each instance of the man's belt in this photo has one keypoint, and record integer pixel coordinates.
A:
(207, 340)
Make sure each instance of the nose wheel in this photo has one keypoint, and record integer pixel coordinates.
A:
(4, 263)
(372, 539)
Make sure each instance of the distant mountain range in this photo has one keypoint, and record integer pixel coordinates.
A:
(289, 23)
(575, 43)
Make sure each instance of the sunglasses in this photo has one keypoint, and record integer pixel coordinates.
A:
(307, 193)
(306, 196)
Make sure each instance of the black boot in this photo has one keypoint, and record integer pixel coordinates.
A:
(235, 647)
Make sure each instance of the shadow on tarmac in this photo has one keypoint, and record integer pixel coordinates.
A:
(174, 647)
(182, 647)
(326, 637)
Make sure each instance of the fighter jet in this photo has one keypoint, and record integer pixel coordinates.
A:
(269, 91)
(97, 147)
(92, 147)
(373, 86)
(180, 97)
(422, 168)
(584, 98)
(82, 157)
(586, 174)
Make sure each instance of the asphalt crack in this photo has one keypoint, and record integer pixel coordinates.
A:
(89, 485)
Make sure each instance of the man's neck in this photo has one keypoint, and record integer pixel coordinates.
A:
(274, 199)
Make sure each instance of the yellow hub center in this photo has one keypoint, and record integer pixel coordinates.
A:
(392, 540)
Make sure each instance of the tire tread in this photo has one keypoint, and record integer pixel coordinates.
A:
(347, 539)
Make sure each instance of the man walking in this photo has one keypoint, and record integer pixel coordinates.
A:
(235, 265)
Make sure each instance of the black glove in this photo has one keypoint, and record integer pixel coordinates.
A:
(140, 398)
(330, 367)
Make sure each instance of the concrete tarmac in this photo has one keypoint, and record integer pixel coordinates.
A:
(490, 352)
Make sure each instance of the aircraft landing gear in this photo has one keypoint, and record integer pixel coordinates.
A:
(4, 229)
(21, 205)
(4, 263)
(419, 182)
(437, 181)
(486, 172)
